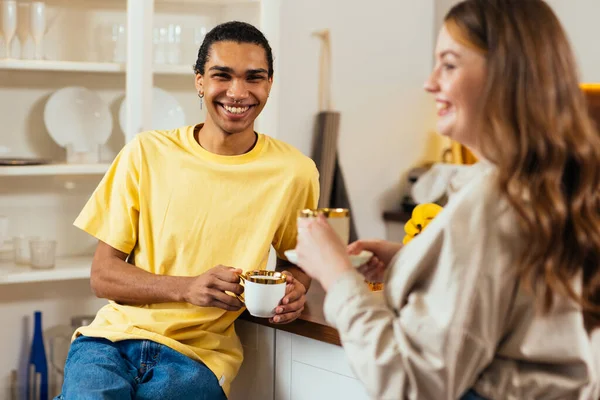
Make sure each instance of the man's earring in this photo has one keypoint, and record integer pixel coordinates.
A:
(200, 96)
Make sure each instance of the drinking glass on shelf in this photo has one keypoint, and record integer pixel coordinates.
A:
(25, 41)
(21, 249)
(37, 25)
(160, 39)
(9, 23)
(43, 253)
(159, 56)
(199, 34)
(119, 40)
(174, 43)
(3, 229)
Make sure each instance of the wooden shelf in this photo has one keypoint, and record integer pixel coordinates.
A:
(66, 66)
(66, 268)
(396, 216)
(208, 2)
(54, 169)
(81, 66)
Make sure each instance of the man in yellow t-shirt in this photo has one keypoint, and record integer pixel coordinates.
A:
(179, 215)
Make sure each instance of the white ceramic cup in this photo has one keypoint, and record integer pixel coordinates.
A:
(338, 218)
(263, 291)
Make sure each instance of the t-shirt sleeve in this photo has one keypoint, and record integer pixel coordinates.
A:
(111, 214)
(306, 196)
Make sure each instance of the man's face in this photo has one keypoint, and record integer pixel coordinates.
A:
(235, 84)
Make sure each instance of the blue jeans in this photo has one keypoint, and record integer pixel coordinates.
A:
(471, 395)
(134, 369)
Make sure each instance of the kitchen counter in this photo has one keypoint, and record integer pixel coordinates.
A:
(311, 324)
(302, 359)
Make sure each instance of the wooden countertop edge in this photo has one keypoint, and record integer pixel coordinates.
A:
(301, 327)
(311, 324)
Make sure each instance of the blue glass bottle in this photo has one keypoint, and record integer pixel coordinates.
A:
(37, 358)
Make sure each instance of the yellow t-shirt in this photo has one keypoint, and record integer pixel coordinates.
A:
(181, 210)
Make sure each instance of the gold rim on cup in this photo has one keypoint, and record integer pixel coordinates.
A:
(327, 212)
(262, 276)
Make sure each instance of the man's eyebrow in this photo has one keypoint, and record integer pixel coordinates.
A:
(257, 71)
(221, 68)
(230, 70)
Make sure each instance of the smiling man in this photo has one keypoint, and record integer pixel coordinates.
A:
(179, 215)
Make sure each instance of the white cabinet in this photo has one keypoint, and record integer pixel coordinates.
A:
(255, 378)
(307, 369)
(45, 200)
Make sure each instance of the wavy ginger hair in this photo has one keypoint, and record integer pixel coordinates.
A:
(540, 136)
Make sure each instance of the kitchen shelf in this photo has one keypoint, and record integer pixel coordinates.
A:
(67, 66)
(208, 2)
(54, 169)
(67, 268)
(83, 66)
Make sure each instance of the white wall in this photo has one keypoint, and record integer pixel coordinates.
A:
(579, 19)
(381, 56)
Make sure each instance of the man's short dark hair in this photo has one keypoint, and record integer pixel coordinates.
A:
(234, 31)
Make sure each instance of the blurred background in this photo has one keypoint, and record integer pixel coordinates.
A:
(79, 78)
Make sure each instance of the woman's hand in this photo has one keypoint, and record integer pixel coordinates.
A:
(321, 253)
(383, 252)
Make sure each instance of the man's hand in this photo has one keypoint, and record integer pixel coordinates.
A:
(208, 289)
(292, 304)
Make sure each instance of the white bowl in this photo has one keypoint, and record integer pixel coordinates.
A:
(166, 112)
(357, 260)
(78, 116)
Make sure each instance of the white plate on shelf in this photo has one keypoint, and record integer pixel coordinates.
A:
(167, 113)
(78, 116)
(356, 259)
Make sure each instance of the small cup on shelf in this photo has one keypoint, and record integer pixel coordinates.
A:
(43, 253)
(21, 247)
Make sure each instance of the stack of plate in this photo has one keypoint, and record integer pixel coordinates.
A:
(166, 112)
(78, 117)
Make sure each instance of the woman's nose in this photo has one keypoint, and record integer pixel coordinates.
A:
(431, 85)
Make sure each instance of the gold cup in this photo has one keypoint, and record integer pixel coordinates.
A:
(338, 219)
(263, 291)
(261, 276)
(265, 277)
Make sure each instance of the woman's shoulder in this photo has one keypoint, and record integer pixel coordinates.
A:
(475, 194)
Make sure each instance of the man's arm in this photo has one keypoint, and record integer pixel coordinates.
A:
(292, 304)
(113, 278)
(283, 265)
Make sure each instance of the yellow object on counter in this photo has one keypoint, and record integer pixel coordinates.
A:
(590, 87)
(456, 153)
(421, 216)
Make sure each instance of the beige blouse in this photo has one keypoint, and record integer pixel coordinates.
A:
(453, 316)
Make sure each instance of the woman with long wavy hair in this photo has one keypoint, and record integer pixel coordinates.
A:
(499, 297)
